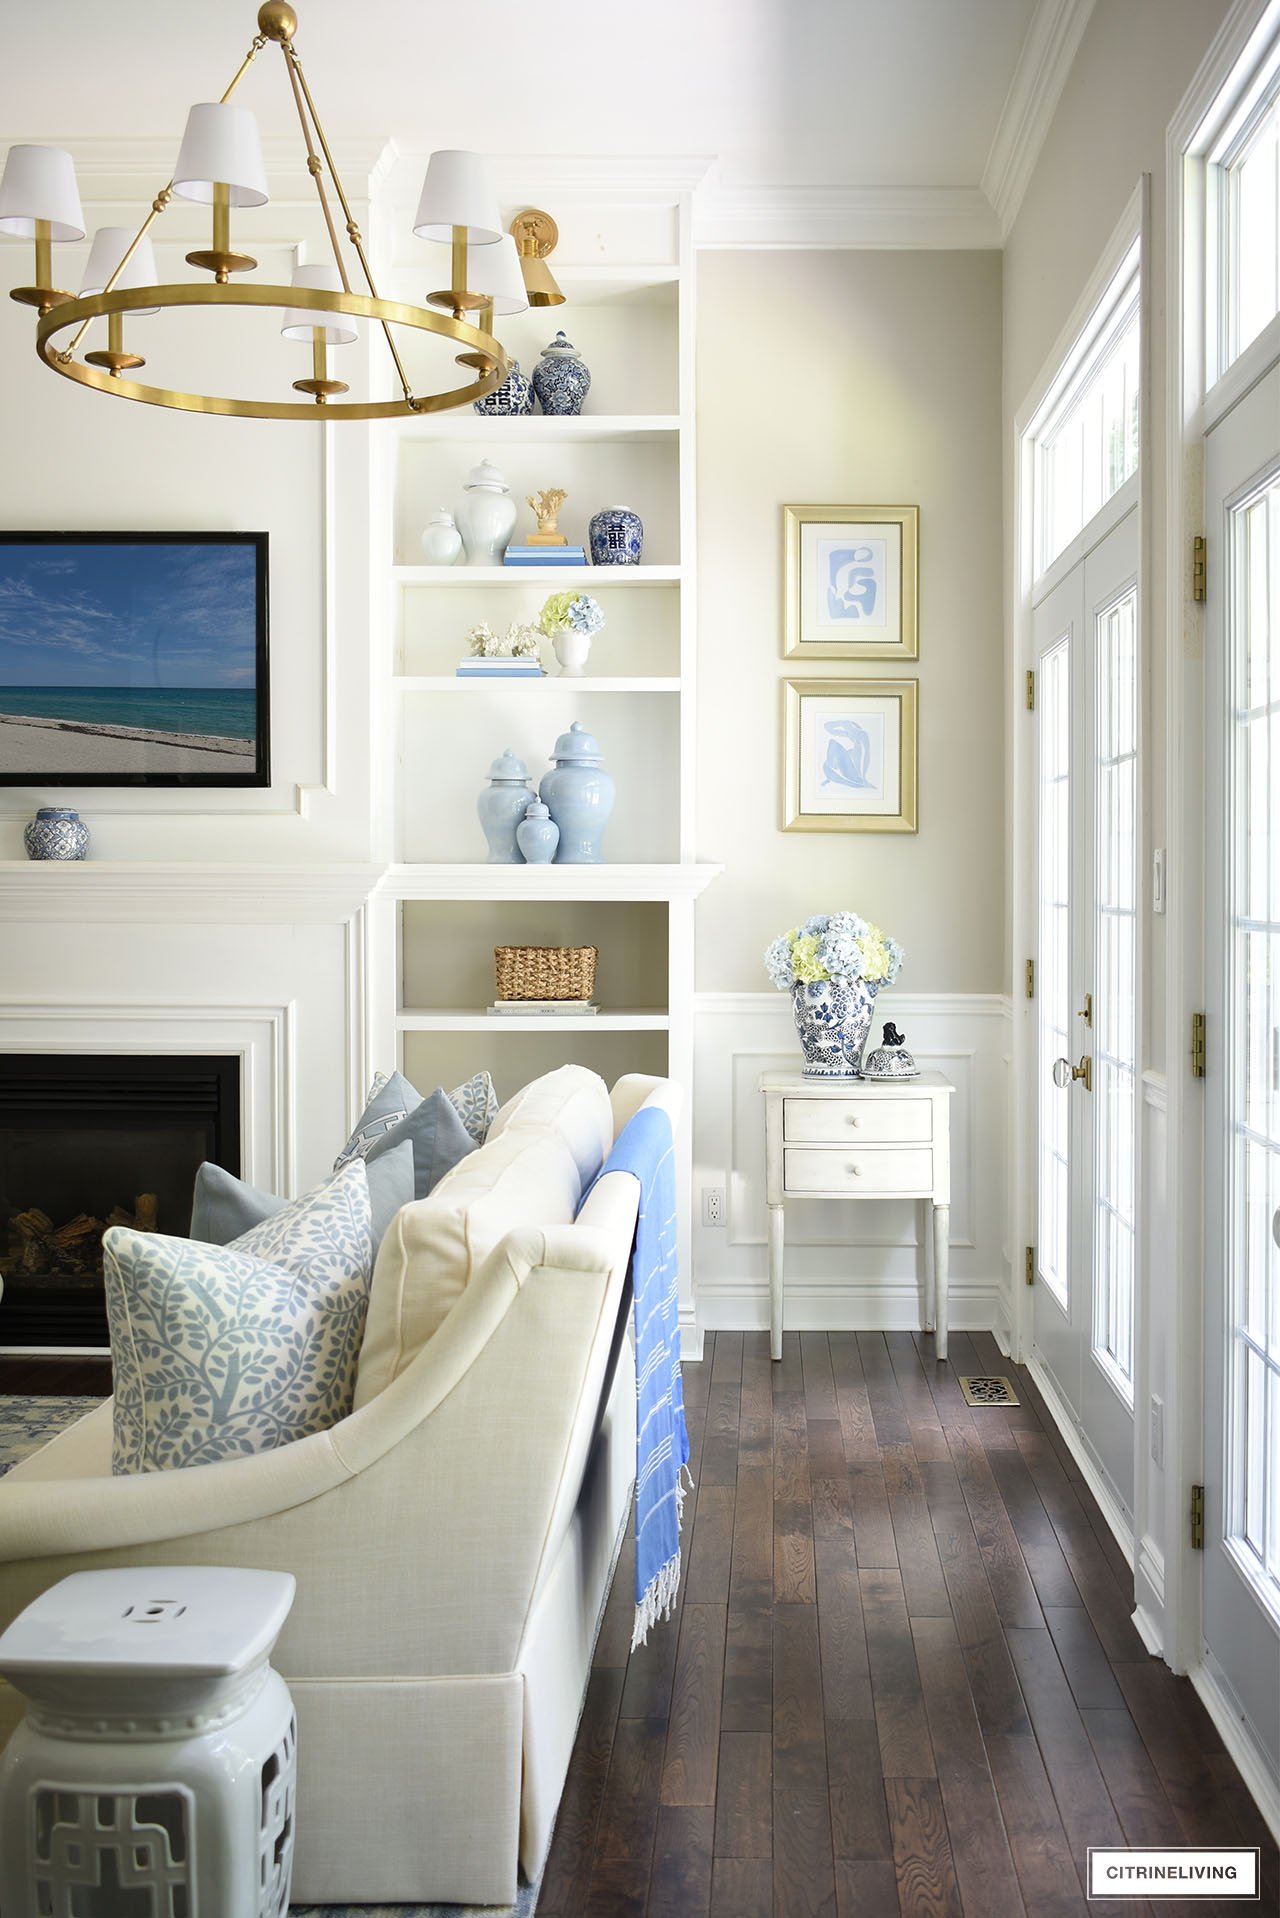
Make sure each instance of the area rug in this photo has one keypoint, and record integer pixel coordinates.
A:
(28, 1423)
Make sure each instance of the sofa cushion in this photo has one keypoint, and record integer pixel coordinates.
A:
(437, 1137)
(434, 1247)
(391, 1098)
(224, 1350)
(223, 1206)
(573, 1103)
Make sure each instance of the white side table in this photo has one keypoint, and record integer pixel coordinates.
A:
(860, 1139)
(156, 1767)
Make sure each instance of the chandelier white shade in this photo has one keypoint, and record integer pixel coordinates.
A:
(336, 329)
(221, 147)
(39, 184)
(110, 244)
(494, 272)
(457, 193)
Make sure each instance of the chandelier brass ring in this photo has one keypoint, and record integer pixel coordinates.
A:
(473, 339)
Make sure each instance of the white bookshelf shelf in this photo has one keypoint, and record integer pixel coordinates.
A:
(446, 880)
(410, 683)
(549, 576)
(542, 429)
(533, 1022)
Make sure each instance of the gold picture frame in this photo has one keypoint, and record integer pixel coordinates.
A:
(851, 580)
(850, 751)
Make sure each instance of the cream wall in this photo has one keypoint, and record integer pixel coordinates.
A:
(851, 377)
(1133, 66)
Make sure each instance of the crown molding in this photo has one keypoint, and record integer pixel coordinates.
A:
(113, 165)
(1053, 39)
(844, 216)
(576, 178)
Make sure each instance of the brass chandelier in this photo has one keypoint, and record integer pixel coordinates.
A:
(220, 165)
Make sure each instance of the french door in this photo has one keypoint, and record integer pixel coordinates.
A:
(1085, 636)
(1241, 1592)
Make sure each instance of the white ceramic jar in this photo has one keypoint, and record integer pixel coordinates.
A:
(441, 540)
(485, 516)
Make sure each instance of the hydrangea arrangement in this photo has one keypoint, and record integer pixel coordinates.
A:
(841, 946)
(520, 641)
(571, 613)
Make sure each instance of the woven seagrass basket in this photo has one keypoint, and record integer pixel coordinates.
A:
(545, 972)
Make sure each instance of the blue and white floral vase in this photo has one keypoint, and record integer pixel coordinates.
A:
(501, 807)
(616, 537)
(512, 400)
(561, 379)
(579, 795)
(833, 1020)
(56, 832)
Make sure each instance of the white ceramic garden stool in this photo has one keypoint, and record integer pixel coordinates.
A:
(155, 1771)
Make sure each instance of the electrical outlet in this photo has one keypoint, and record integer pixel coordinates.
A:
(1157, 1431)
(713, 1205)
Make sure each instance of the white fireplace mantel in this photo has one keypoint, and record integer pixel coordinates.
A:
(120, 891)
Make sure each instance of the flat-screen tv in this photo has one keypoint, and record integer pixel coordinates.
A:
(134, 659)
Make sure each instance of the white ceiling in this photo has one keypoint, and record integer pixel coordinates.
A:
(873, 93)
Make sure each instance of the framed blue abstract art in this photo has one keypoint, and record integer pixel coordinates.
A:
(850, 580)
(849, 755)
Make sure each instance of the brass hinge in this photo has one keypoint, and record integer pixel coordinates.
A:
(1031, 1265)
(1197, 1046)
(1199, 577)
(1031, 978)
(1031, 692)
(1197, 1518)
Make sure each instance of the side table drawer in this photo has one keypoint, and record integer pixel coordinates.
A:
(856, 1173)
(873, 1121)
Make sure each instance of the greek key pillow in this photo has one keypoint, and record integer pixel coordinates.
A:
(221, 1351)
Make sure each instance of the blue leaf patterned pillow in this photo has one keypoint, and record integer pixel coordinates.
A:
(222, 1351)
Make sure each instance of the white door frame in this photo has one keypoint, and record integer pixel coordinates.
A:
(1134, 223)
(1173, 1607)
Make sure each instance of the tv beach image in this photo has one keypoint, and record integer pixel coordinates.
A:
(129, 661)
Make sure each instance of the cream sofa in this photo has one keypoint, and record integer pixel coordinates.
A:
(452, 1541)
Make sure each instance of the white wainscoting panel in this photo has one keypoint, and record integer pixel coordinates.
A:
(850, 1264)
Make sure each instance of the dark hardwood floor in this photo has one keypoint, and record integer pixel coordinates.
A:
(902, 1676)
(901, 1679)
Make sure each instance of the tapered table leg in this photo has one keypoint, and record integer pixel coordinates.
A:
(925, 1229)
(775, 1280)
(941, 1262)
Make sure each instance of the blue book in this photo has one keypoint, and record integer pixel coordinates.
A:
(513, 671)
(544, 556)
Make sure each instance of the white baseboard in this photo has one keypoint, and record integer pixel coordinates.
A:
(1117, 1518)
(743, 1306)
(1241, 1742)
(690, 1334)
(1148, 1631)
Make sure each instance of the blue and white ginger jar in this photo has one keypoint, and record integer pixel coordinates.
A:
(512, 400)
(579, 795)
(561, 379)
(833, 1020)
(56, 832)
(616, 537)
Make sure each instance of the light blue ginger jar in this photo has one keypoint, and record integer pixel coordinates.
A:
(502, 805)
(616, 536)
(511, 400)
(538, 835)
(56, 832)
(560, 379)
(579, 795)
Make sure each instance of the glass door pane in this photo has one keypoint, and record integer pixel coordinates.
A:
(1053, 986)
(1115, 935)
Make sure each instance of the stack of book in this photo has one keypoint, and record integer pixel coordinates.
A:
(544, 556)
(549, 1007)
(498, 669)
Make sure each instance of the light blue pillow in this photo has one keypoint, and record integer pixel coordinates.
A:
(223, 1206)
(222, 1351)
(391, 1099)
(438, 1138)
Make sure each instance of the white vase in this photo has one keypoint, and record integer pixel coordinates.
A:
(441, 540)
(485, 515)
(572, 651)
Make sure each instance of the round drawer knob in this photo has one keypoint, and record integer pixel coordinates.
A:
(854, 1119)
(856, 1171)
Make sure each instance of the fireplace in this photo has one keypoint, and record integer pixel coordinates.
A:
(95, 1139)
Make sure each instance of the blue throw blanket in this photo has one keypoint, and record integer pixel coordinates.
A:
(644, 1148)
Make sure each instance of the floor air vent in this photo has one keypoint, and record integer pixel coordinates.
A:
(984, 1388)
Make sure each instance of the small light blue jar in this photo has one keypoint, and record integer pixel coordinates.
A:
(538, 835)
(579, 795)
(616, 536)
(56, 832)
(502, 805)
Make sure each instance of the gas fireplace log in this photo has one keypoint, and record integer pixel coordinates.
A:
(73, 1250)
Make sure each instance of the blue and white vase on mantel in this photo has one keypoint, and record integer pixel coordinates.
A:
(56, 832)
(833, 1019)
(512, 400)
(502, 805)
(561, 379)
(579, 795)
(616, 537)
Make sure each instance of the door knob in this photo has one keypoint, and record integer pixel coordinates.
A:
(1064, 1072)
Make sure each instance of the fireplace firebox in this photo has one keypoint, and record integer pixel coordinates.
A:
(89, 1140)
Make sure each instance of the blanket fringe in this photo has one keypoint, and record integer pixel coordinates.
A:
(659, 1597)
